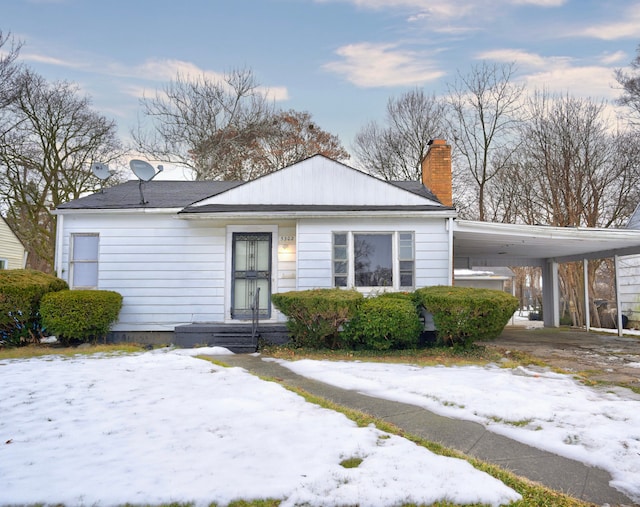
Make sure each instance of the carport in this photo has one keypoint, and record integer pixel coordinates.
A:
(486, 244)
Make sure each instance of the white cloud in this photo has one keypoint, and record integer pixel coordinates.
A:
(540, 3)
(518, 56)
(369, 65)
(588, 81)
(629, 28)
(561, 74)
(50, 60)
(450, 9)
(611, 58)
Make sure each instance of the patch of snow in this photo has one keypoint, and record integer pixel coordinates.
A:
(543, 409)
(162, 426)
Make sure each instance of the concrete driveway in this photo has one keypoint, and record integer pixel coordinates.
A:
(599, 356)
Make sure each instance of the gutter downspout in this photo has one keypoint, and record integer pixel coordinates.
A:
(57, 263)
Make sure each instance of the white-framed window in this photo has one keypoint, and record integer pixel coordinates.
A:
(373, 259)
(406, 260)
(4, 263)
(340, 259)
(84, 261)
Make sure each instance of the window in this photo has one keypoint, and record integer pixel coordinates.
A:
(84, 261)
(406, 259)
(3, 264)
(373, 259)
(340, 259)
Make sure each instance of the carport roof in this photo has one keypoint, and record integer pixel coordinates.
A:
(497, 244)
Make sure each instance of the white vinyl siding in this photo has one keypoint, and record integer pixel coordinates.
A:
(12, 252)
(169, 271)
(629, 281)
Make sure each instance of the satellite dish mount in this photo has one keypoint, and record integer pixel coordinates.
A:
(144, 171)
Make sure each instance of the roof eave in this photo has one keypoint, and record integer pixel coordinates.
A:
(315, 214)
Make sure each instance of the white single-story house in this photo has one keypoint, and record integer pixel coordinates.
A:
(12, 252)
(188, 255)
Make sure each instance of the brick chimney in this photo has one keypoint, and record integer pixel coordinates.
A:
(436, 171)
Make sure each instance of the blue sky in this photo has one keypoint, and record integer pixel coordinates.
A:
(341, 60)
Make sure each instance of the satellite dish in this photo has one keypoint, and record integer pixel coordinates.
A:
(100, 171)
(144, 171)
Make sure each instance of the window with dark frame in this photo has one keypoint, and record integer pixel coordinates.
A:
(368, 258)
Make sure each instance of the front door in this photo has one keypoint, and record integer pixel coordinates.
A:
(251, 270)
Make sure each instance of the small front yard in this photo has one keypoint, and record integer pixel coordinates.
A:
(161, 426)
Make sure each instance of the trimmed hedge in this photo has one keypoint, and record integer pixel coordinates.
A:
(80, 315)
(385, 322)
(316, 316)
(463, 315)
(21, 291)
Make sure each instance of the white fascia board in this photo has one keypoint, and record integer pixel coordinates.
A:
(544, 231)
(118, 211)
(320, 214)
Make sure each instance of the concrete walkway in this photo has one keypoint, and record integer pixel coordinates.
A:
(561, 474)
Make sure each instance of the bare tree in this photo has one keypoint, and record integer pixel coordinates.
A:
(8, 67)
(212, 127)
(227, 129)
(484, 112)
(51, 138)
(630, 82)
(575, 170)
(584, 173)
(395, 150)
(293, 137)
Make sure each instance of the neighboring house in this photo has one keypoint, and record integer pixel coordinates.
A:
(629, 279)
(12, 251)
(497, 278)
(196, 252)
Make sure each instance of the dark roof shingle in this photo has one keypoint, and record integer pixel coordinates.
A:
(157, 194)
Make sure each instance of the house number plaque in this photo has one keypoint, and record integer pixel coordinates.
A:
(287, 239)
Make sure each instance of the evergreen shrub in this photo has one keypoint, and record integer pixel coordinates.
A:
(389, 321)
(80, 315)
(316, 316)
(463, 315)
(21, 291)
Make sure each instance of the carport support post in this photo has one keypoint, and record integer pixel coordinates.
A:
(587, 306)
(616, 266)
(550, 294)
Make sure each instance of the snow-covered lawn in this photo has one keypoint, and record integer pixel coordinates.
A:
(543, 409)
(163, 426)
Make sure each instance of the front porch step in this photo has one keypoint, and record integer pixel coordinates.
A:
(235, 337)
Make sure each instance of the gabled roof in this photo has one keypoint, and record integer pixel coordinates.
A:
(320, 184)
(634, 221)
(315, 184)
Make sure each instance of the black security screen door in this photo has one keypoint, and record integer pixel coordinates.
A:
(251, 270)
